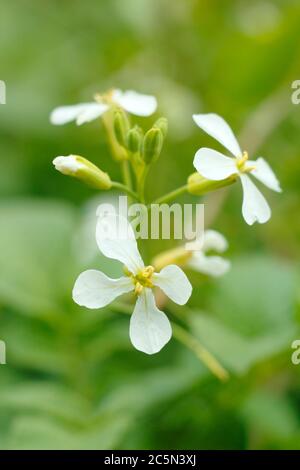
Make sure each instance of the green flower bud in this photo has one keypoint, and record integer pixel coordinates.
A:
(84, 170)
(121, 127)
(162, 124)
(152, 146)
(134, 139)
(199, 185)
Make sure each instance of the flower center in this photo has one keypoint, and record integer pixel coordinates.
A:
(142, 279)
(105, 98)
(241, 164)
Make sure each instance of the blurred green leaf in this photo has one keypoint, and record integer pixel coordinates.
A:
(35, 239)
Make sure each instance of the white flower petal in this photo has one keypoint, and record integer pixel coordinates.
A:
(264, 173)
(210, 265)
(135, 103)
(214, 240)
(93, 289)
(91, 112)
(64, 114)
(150, 328)
(67, 165)
(116, 240)
(217, 127)
(174, 283)
(214, 165)
(255, 207)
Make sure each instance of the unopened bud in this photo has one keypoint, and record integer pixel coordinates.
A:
(84, 170)
(162, 124)
(134, 139)
(153, 143)
(199, 185)
(121, 127)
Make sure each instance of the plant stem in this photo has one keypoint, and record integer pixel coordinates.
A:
(185, 338)
(126, 175)
(200, 351)
(141, 184)
(125, 189)
(172, 195)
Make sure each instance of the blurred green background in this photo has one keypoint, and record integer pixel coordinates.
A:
(72, 378)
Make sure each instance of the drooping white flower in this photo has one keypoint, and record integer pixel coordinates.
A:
(131, 101)
(203, 262)
(150, 328)
(215, 166)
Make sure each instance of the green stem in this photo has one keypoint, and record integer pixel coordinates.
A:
(185, 338)
(118, 152)
(172, 195)
(141, 184)
(125, 189)
(200, 351)
(126, 175)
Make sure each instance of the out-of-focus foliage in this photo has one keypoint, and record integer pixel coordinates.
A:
(72, 379)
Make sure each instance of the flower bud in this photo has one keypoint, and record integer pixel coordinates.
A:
(134, 139)
(121, 127)
(162, 124)
(152, 146)
(84, 170)
(199, 185)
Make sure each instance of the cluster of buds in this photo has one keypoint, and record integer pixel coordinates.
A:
(142, 149)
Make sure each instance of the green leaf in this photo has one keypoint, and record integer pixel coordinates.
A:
(36, 432)
(45, 397)
(272, 416)
(256, 296)
(235, 351)
(35, 240)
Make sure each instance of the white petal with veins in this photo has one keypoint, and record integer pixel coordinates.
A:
(264, 173)
(174, 283)
(214, 165)
(214, 240)
(65, 114)
(255, 207)
(135, 103)
(217, 127)
(211, 265)
(150, 328)
(116, 240)
(93, 289)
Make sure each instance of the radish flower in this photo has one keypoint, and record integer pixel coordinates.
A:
(215, 166)
(210, 264)
(150, 328)
(130, 101)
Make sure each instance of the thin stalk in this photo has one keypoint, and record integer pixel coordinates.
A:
(185, 338)
(172, 195)
(125, 189)
(200, 351)
(141, 184)
(126, 175)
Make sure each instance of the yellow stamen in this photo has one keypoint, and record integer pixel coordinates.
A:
(142, 279)
(138, 288)
(104, 97)
(241, 162)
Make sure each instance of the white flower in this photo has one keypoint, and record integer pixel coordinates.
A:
(209, 264)
(214, 165)
(150, 328)
(130, 101)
